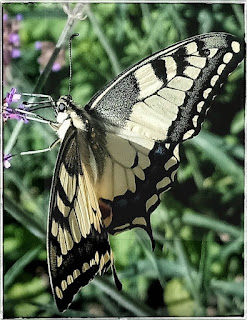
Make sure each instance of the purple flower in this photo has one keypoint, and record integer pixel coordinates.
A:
(11, 113)
(6, 160)
(38, 45)
(23, 117)
(11, 43)
(56, 67)
(47, 48)
(14, 38)
(12, 96)
(16, 53)
(19, 17)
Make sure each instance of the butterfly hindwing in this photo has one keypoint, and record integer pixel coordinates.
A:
(133, 180)
(78, 246)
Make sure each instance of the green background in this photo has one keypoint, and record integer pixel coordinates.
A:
(197, 266)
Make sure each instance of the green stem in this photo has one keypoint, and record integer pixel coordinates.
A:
(105, 43)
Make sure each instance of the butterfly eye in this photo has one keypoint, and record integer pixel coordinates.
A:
(61, 107)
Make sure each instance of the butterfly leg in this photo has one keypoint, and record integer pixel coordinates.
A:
(54, 143)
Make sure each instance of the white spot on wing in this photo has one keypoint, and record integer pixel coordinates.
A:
(165, 109)
(174, 96)
(188, 134)
(120, 183)
(59, 261)
(68, 240)
(195, 120)
(170, 163)
(214, 80)
(221, 68)
(120, 150)
(139, 173)
(150, 119)
(54, 228)
(206, 93)
(131, 180)
(143, 161)
(64, 285)
(61, 206)
(151, 201)
(180, 83)
(198, 62)
(191, 47)
(74, 227)
(147, 81)
(171, 67)
(61, 240)
(59, 293)
(200, 106)
(227, 57)
(163, 183)
(235, 46)
(176, 152)
(71, 187)
(192, 72)
(212, 52)
(105, 185)
(139, 221)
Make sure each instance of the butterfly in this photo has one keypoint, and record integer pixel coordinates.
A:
(120, 153)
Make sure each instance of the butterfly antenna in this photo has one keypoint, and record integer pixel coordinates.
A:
(70, 58)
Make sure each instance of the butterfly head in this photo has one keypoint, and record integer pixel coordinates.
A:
(67, 114)
(61, 109)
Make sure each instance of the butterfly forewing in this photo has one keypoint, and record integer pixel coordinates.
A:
(165, 96)
(151, 108)
(78, 246)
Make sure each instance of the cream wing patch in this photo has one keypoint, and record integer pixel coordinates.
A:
(125, 162)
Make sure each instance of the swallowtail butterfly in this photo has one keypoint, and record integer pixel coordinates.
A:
(120, 153)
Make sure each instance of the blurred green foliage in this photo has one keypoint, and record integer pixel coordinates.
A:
(197, 266)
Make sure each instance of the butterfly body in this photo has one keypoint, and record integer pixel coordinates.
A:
(120, 153)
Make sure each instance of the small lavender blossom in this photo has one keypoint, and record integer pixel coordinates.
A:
(11, 113)
(19, 17)
(47, 48)
(16, 53)
(14, 38)
(38, 45)
(11, 43)
(6, 160)
(56, 67)
(12, 96)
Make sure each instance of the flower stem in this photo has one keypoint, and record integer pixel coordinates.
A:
(72, 17)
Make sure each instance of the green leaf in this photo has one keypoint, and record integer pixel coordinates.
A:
(26, 219)
(208, 143)
(129, 303)
(230, 288)
(211, 224)
(178, 300)
(18, 267)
